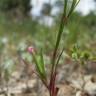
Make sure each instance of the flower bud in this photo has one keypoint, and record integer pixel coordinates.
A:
(31, 49)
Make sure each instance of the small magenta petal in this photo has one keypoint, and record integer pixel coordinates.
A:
(30, 49)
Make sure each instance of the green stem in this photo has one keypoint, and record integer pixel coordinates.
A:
(73, 6)
(65, 7)
(55, 59)
(58, 59)
(62, 23)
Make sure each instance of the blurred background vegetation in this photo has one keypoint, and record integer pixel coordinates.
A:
(19, 28)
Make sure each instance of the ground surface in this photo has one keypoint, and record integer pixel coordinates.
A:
(70, 81)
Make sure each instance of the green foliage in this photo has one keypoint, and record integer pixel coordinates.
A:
(7, 67)
(80, 55)
(15, 6)
(46, 10)
(6, 5)
(39, 61)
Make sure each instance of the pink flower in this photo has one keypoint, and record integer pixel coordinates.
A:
(31, 49)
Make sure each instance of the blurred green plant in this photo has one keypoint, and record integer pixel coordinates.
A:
(6, 69)
(82, 57)
(15, 7)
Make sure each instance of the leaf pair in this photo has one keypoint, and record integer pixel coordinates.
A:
(73, 6)
(40, 66)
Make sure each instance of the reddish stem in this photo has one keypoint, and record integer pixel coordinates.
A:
(52, 87)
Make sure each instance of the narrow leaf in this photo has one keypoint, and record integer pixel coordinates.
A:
(39, 66)
(72, 7)
(42, 64)
(65, 7)
(36, 62)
